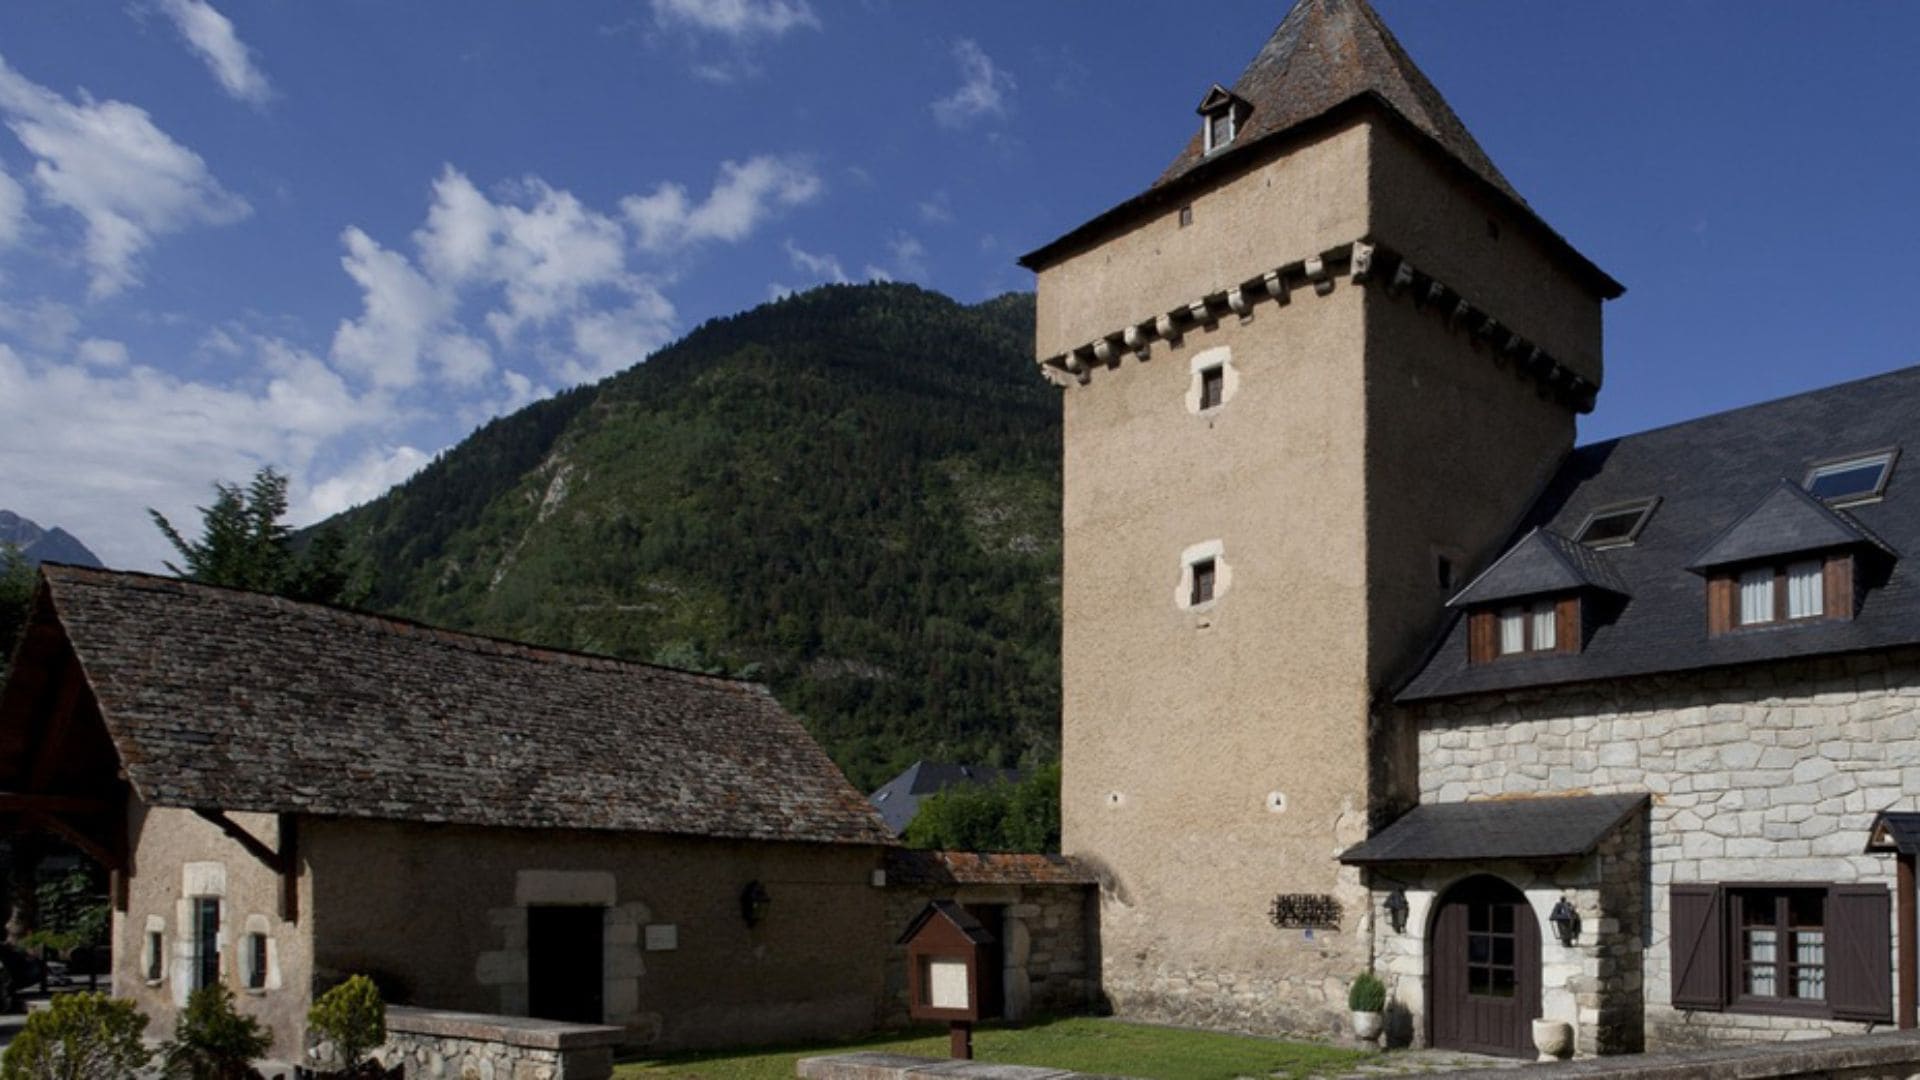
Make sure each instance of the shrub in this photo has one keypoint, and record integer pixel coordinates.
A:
(1367, 994)
(352, 1017)
(211, 1041)
(79, 1037)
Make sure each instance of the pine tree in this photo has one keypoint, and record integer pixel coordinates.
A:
(244, 545)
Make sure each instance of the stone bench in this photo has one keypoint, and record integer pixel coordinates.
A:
(435, 1044)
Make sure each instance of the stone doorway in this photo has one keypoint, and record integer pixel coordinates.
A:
(1483, 983)
(566, 964)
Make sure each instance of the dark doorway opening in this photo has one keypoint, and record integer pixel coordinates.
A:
(566, 972)
(993, 982)
(1483, 972)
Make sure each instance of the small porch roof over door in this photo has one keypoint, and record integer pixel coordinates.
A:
(1549, 827)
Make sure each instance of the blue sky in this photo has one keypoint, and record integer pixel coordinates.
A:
(333, 237)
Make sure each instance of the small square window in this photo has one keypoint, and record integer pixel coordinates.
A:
(1213, 387)
(1203, 575)
(1186, 216)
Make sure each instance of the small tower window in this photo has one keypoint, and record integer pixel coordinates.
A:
(1220, 117)
(156, 956)
(1219, 129)
(1213, 387)
(1203, 576)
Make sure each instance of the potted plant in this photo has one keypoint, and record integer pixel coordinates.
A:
(352, 1020)
(1367, 1000)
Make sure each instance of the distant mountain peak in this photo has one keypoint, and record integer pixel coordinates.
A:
(44, 545)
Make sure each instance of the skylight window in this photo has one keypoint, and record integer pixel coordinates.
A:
(1852, 480)
(1616, 526)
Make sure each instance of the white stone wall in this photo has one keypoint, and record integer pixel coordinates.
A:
(1769, 773)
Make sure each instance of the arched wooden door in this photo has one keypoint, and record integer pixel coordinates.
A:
(1483, 970)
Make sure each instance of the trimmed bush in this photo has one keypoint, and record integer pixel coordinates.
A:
(352, 1017)
(211, 1041)
(79, 1037)
(1367, 994)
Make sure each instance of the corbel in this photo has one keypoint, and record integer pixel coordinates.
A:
(1402, 279)
(1436, 294)
(1164, 326)
(1462, 311)
(1137, 340)
(1201, 313)
(1238, 301)
(1103, 352)
(1276, 283)
(1362, 265)
(1487, 331)
(1316, 270)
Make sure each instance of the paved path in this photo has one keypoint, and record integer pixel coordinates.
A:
(1419, 1063)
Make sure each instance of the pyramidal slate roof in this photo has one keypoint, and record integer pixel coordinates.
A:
(1542, 562)
(1788, 521)
(1324, 53)
(898, 800)
(216, 698)
(1715, 477)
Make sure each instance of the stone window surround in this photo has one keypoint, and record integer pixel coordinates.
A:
(198, 881)
(263, 926)
(1220, 356)
(1222, 575)
(505, 968)
(153, 949)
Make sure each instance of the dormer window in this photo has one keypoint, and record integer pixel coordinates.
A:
(1221, 114)
(1616, 526)
(1774, 593)
(1854, 480)
(1528, 628)
(1542, 596)
(1532, 628)
(1790, 559)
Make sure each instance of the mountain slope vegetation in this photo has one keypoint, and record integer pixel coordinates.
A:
(852, 494)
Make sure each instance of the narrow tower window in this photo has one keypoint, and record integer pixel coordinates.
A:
(1213, 387)
(1203, 575)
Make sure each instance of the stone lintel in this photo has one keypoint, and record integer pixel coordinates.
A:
(510, 1030)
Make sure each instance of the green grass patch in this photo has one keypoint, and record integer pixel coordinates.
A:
(1082, 1044)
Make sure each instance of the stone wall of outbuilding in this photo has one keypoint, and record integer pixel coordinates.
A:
(1761, 774)
(1049, 947)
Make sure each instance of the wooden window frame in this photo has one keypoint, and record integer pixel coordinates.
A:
(1210, 577)
(1483, 630)
(1231, 115)
(1837, 598)
(1706, 957)
(257, 961)
(1739, 900)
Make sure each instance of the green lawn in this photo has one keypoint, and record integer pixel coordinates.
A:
(1079, 1043)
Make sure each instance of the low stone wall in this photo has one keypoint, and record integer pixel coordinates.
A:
(1890, 1056)
(437, 1045)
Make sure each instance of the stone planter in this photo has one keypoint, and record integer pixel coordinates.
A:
(1367, 1025)
(1553, 1038)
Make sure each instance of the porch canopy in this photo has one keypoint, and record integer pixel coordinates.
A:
(1552, 827)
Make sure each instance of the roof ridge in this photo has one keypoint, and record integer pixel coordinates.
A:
(1909, 369)
(394, 625)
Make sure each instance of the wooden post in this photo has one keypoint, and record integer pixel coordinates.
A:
(1909, 948)
(960, 1040)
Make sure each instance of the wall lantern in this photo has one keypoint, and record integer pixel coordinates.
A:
(1566, 922)
(1397, 910)
(754, 902)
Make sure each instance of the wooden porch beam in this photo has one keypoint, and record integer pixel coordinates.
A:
(284, 862)
(80, 838)
(24, 802)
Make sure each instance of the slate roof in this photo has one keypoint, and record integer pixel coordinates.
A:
(941, 868)
(1542, 562)
(1894, 830)
(898, 800)
(1787, 521)
(1326, 57)
(1710, 473)
(216, 698)
(1552, 827)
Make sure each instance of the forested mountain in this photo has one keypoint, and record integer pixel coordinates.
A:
(852, 494)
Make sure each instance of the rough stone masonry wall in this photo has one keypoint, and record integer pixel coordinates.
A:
(1048, 951)
(1770, 773)
(437, 1045)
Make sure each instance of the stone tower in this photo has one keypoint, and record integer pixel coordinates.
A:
(1311, 378)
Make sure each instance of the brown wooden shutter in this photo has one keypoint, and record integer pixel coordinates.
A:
(1719, 604)
(1481, 629)
(1566, 637)
(1860, 952)
(1698, 946)
(1838, 587)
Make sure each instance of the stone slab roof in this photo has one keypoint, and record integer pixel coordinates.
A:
(898, 800)
(1709, 474)
(938, 868)
(216, 698)
(1788, 521)
(1554, 827)
(1542, 562)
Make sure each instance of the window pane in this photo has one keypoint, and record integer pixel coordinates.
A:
(1810, 960)
(1546, 621)
(1513, 630)
(1756, 596)
(1222, 128)
(1806, 588)
(1502, 983)
(1849, 479)
(1479, 948)
(1203, 581)
(1479, 982)
(1503, 918)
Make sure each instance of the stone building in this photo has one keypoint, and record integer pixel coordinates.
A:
(1366, 665)
(288, 794)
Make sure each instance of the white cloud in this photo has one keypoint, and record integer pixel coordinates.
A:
(937, 209)
(375, 472)
(13, 210)
(211, 35)
(819, 267)
(402, 312)
(983, 91)
(108, 163)
(102, 353)
(744, 195)
(909, 256)
(610, 341)
(42, 323)
(737, 18)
